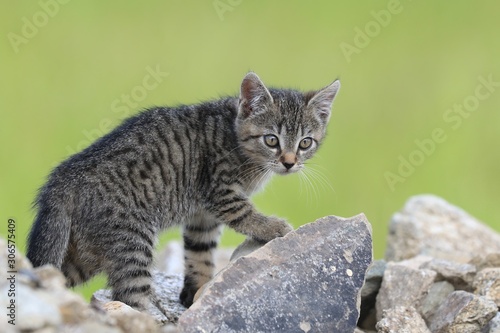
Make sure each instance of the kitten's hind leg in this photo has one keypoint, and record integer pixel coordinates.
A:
(201, 236)
(129, 276)
(78, 266)
(129, 261)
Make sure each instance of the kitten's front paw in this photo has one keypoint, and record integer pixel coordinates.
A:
(275, 227)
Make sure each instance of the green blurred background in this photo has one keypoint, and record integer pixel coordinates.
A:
(67, 69)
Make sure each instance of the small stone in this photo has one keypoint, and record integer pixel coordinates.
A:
(404, 287)
(305, 326)
(75, 311)
(359, 330)
(462, 312)
(438, 293)
(36, 309)
(169, 328)
(493, 326)
(50, 277)
(167, 288)
(281, 286)
(429, 225)
(92, 326)
(459, 275)
(416, 262)
(129, 319)
(487, 284)
(50, 329)
(373, 278)
(401, 319)
(373, 281)
(487, 260)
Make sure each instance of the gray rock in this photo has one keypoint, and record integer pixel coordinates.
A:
(462, 312)
(486, 260)
(401, 320)
(369, 292)
(416, 262)
(403, 286)
(493, 326)
(307, 281)
(167, 289)
(358, 330)
(431, 226)
(459, 275)
(50, 282)
(169, 328)
(487, 284)
(129, 319)
(438, 293)
(38, 310)
(373, 278)
(89, 326)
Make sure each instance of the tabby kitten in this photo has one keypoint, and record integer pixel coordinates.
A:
(196, 165)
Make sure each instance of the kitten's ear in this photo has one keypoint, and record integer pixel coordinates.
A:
(254, 96)
(322, 100)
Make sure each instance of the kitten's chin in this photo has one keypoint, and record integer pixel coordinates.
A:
(284, 171)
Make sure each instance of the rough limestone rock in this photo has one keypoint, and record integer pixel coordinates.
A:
(402, 320)
(403, 286)
(307, 281)
(462, 312)
(129, 319)
(167, 287)
(438, 293)
(44, 304)
(486, 260)
(487, 283)
(493, 326)
(369, 292)
(459, 275)
(431, 226)
(373, 278)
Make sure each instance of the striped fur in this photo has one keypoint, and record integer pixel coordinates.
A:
(195, 166)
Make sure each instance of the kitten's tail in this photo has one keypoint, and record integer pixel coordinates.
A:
(49, 236)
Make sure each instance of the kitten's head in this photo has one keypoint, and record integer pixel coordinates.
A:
(280, 129)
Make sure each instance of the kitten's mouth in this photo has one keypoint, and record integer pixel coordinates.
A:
(282, 170)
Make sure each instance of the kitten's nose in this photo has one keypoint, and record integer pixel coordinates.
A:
(288, 160)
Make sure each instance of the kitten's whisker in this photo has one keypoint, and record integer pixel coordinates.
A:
(260, 176)
(323, 180)
(314, 190)
(250, 172)
(304, 184)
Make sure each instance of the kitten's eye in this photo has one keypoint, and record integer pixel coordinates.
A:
(305, 143)
(271, 140)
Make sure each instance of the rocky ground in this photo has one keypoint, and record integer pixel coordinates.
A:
(441, 273)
